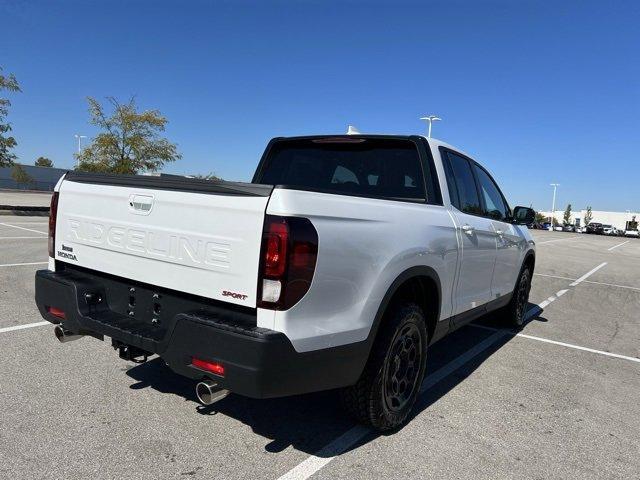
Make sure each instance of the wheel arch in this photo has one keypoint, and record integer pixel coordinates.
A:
(421, 283)
(529, 260)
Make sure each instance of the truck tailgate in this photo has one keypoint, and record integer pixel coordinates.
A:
(187, 235)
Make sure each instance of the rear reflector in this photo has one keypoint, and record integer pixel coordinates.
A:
(212, 367)
(56, 312)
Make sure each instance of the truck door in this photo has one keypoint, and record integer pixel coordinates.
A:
(509, 241)
(478, 252)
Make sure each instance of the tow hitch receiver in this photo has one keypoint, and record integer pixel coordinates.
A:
(129, 352)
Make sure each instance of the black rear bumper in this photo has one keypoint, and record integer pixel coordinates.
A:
(258, 362)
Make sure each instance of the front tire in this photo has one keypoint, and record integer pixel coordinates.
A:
(515, 312)
(388, 388)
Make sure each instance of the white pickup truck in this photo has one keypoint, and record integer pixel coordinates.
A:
(337, 267)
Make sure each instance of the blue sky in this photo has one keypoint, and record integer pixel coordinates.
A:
(538, 92)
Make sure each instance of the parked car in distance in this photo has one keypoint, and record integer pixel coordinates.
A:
(546, 225)
(568, 228)
(335, 268)
(594, 227)
(608, 230)
(631, 228)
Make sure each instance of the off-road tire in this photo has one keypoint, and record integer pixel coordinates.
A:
(514, 314)
(398, 356)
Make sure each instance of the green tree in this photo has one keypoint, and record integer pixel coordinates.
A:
(20, 175)
(588, 217)
(130, 140)
(540, 218)
(43, 162)
(7, 142)
(566, 218)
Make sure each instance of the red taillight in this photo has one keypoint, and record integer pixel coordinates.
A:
(288, 261)
(56, 312)
(212, 367)
(275, 255)
(53, 213)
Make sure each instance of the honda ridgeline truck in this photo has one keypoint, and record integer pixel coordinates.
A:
(338, 266)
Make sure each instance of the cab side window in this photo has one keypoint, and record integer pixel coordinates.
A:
(462, 185)
(495, 206)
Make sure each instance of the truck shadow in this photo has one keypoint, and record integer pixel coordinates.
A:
(310, 422)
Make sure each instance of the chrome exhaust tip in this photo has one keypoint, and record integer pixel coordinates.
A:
(65, 336)
(209, 392)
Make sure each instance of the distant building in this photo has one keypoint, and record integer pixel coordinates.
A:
(44, 178)
(617, 219)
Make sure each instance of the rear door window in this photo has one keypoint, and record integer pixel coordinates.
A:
(462, 185)
(383, 168)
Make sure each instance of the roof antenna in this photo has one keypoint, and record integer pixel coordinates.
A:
(351, 130)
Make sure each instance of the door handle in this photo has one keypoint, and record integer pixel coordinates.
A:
(468, 229)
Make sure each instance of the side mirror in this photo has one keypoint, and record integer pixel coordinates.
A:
(523, 215)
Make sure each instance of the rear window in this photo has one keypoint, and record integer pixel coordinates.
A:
(385, 168)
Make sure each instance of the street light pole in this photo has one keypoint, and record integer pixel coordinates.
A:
(553, 204)
(430, 119)
(79, 137)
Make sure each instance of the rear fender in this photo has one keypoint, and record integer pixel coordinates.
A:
(413, 272)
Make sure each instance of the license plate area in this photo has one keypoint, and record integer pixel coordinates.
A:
(145, 305)
(146, 310)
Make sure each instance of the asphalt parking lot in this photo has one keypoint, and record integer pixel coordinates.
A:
(558, 400)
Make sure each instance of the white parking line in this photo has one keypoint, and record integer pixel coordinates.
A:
(21, 238)
(555, 342)
(588, 274)
(551, 299)
(619, 245)
(22, 228)
(537, 308)
(558, 240)
(28, 223)
(611, 285)
(578, 347)
(322, 457)
(589, 281)
(20, 264)
(534, 310)
(315, 462)
(22, 327)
